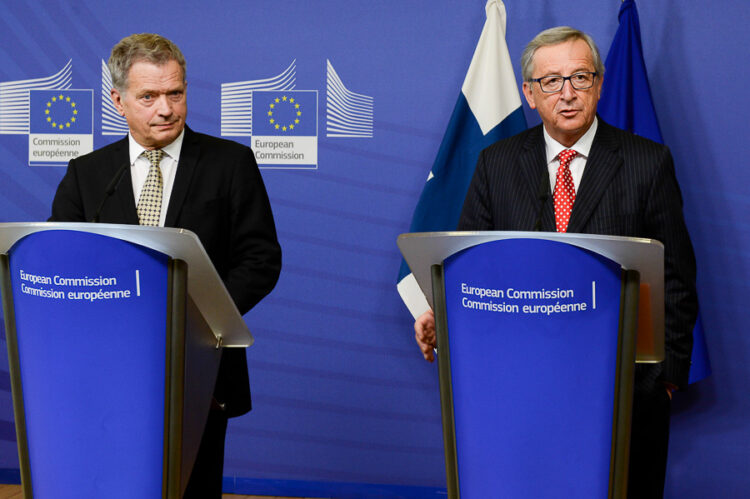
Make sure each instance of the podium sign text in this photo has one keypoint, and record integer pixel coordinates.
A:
(532, 327)
(91, 312)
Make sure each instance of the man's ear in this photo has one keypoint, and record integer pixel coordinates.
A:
(598, 86)
(117, 101)
(527, 92)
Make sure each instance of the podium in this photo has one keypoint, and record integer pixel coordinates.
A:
(536, 336)
(114, 336)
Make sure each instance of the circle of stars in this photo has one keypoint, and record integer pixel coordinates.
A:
(277, 105)
(55, 103)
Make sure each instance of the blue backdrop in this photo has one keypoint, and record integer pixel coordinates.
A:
(344, 404)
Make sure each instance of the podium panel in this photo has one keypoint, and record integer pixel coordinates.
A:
(532, 354)
(90, 320)
(646, 256)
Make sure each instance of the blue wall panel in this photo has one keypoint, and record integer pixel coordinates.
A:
(341, 394)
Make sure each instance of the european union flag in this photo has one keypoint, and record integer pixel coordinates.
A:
(626, 103)
(60, 111)
(292, 113)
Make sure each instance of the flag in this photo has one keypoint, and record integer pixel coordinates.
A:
(60, 112)
(283, 113)
(626, 103)
(488, 109)
(61, 125)
(284, 128)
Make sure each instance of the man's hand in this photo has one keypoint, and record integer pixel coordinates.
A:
(424, 333)
(670, 388)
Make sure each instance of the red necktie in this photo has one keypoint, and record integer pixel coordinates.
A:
(565, 191)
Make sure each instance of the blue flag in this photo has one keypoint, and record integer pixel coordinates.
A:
(60, 112)
(626, 103)
(488, 109)
(285, 113)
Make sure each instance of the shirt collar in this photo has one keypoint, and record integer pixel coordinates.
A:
(172, 150)
(582, 146)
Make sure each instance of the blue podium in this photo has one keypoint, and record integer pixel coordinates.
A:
(114, 336)
(536, 337)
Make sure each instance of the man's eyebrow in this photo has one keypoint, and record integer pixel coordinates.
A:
(145, 91)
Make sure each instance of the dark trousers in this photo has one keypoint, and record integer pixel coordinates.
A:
(206, 477)
(649, 443)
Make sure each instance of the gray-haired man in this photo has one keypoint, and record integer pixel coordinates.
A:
(208, 185)
(622, 185)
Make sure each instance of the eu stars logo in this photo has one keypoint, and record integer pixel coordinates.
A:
(61, 126)
(281, 106)
(285, 128)
(68, 112)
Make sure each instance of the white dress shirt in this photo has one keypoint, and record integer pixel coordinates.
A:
(139, 166)
(577, 165)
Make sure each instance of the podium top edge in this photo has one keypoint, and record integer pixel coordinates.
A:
(557, 236)
(87, 227)
(204, 284)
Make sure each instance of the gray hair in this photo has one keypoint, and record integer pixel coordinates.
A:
(146, 47)
(555, 36)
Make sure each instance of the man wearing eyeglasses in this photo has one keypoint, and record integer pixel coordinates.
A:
(598, 180)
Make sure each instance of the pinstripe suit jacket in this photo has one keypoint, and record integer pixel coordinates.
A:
(628, 189)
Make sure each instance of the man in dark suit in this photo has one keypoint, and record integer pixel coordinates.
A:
(193, 181)
(617, 184)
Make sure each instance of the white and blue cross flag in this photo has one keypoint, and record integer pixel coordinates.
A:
(488, 109)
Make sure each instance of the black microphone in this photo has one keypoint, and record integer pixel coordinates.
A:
(111, 188)
(542, 196)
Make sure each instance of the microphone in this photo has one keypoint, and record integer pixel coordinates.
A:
(542, 196)
(111, 188)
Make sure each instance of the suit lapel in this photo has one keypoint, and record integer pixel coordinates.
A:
(124, 193)
(601, 166)
(185, 169)
(533, 167)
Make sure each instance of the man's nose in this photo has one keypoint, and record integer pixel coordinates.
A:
(163, 106)
(567, 91)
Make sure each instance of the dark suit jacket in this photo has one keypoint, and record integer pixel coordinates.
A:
(628, 189)
(218, 193)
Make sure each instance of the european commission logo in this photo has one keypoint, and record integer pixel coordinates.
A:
(283, 122)
(61, 126)
(57, 120)
(285, 127)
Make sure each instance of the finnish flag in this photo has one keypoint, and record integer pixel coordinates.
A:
(488, 109)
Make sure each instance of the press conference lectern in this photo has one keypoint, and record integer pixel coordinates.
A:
(114, 336)
(536, 336)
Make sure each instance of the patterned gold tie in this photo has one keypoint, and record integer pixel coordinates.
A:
(149, 203)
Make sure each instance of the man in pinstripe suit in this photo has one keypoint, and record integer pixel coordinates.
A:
(624, 185)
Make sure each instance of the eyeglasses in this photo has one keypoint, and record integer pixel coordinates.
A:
(554, 83)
